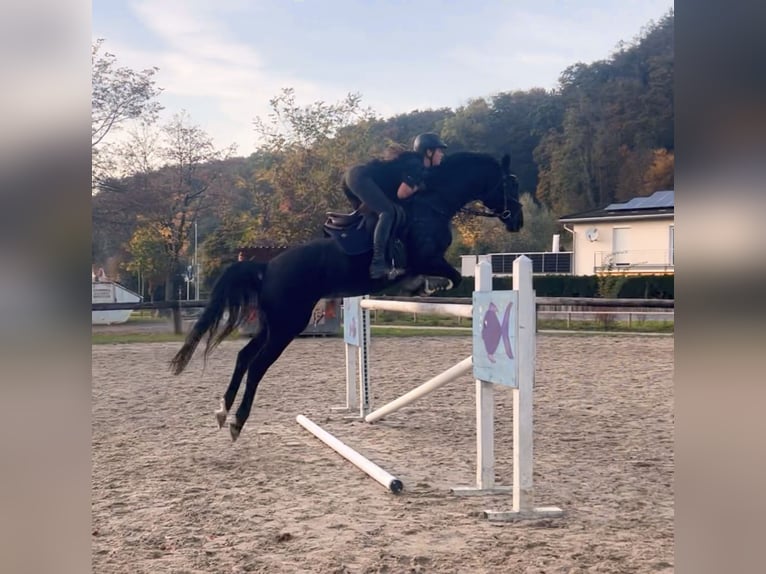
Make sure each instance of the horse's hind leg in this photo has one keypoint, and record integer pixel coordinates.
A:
(271, 351)
(245, 358)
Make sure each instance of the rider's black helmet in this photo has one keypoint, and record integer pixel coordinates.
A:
(427, 141)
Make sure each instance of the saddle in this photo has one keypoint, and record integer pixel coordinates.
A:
(340, 221)
(353, 235)
(349, 230)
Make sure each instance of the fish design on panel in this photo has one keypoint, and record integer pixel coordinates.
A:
(493, 331)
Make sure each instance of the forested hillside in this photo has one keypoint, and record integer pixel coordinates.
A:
(604, 134)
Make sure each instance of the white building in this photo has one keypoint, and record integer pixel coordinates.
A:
(633, 237)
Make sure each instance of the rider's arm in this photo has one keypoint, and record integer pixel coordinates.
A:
(411, 181)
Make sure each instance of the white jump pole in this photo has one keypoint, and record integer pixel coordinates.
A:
(450, 374)
(389, 481)
(453, 309)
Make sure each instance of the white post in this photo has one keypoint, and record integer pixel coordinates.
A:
(352, 356)
(365, 400)
(523, 491)
(196, 266)
(485, 411)
(485, 404)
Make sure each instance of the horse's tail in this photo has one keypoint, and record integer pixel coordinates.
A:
(236, 291)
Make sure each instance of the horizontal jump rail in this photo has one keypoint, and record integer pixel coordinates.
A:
(573, 301)
(425, 308)
(442, 301)
(373, 470)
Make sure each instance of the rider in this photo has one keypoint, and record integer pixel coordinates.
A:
(431, 147)
(376, 184)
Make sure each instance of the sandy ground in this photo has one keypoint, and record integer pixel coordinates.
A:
(172, 494)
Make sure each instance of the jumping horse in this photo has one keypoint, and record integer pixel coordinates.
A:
(284, 291)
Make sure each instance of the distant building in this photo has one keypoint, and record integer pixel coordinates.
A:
(633, 237)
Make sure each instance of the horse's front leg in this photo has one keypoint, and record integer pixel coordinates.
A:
(439, 267)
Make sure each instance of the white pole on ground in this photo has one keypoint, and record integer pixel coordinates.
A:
(485, 404)
(431, 385)
(523, 491)
(388, 480)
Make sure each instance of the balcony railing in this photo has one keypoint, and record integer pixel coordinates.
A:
(645, 260)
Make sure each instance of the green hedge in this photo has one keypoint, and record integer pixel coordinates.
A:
(633, 287)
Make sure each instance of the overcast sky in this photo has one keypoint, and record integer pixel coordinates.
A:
(223, 60)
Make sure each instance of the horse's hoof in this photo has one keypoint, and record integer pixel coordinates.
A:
(234, 429)
(439, 284)
(395, 273)
(221, 414)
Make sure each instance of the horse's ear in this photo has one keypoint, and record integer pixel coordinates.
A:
(506, 163)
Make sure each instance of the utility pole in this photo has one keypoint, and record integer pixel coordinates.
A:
(196, 265)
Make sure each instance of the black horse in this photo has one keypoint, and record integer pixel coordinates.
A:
(284, 291)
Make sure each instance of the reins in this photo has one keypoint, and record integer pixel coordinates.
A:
(505, 214)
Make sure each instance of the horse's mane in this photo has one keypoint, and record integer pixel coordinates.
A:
(458, 164)
(395, 156)
(462, 157)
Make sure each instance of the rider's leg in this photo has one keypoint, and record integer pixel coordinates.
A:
(379, 266)
(373, 197)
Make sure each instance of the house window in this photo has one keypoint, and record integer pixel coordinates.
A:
(671, 244)
(620, 245)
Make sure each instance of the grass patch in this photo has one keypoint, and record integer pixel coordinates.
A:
(608, 327)
(122, 338)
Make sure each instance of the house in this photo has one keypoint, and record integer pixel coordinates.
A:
(633, 237)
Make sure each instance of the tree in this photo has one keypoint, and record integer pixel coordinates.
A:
(310, 147)
(149, 258)
(169, 176)
(118, 94)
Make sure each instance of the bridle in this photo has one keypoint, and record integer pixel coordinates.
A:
(487, 212)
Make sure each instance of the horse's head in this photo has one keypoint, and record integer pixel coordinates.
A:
(465, 177)
(502, 198)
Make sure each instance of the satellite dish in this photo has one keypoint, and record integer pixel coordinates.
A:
(591, 234)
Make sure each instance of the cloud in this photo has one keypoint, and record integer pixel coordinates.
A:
(223, 83)
(225, 80)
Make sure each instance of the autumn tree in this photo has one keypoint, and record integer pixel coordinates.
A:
(618, 115)
(118, 94)
(149, 257)
(310, 148)
(169, 177)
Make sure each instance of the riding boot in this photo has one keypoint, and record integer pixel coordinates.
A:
(379, 266)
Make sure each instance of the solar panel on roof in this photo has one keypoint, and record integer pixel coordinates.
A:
(658, 199)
